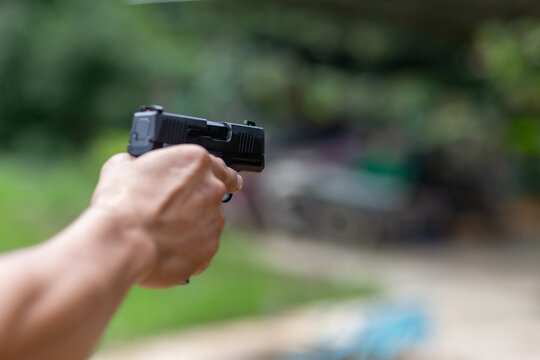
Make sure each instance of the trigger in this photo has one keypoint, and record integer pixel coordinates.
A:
(227, 198)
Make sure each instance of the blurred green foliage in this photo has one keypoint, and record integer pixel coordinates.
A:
(73, 70)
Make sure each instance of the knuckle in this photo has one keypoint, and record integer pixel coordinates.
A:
(232, 178)
(190, 153)
(201, 158)
(219, 188)
(196, 151)
(220, 161)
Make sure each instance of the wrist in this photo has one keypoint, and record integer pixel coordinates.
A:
(115, 243)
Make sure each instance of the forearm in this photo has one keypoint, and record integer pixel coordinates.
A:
(59, 296)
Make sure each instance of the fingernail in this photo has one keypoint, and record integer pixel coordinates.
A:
(239, 181)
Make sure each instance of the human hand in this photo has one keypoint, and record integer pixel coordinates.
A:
(168, 201)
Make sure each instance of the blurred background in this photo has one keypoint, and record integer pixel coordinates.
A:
(403, 136)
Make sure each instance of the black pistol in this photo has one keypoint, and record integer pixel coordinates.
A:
(240, 146)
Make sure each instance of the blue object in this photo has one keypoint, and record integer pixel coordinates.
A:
(384, 332)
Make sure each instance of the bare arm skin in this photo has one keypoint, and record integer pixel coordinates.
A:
(154, 221)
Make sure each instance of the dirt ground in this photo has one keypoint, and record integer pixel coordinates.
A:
(483, 304)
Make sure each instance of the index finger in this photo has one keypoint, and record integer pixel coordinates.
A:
(232, 180)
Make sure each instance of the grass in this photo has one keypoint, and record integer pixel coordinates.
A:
(39, 197)
(235, 285)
